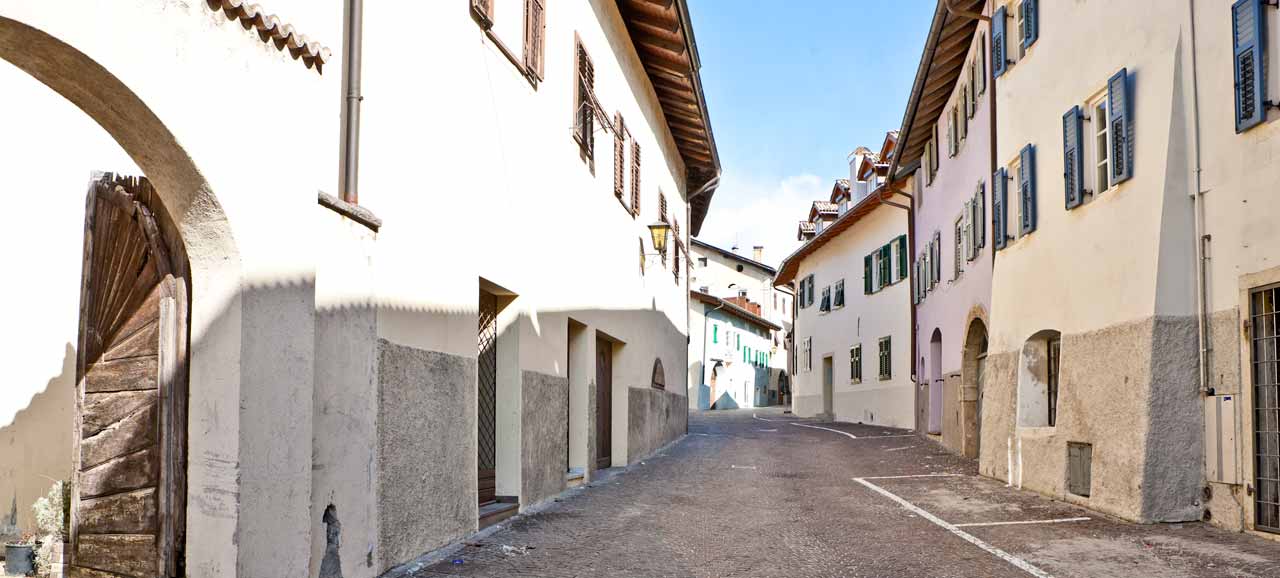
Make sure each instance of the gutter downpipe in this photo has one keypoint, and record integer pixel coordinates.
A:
(350, 169)
(895, 188)
(1197, 200)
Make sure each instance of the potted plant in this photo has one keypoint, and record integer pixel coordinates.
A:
(52, 513)
(19, 557)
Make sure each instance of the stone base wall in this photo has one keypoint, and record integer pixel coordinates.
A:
(426, 466)
(891, 406)
(1128, 390)
(806, 405)
(544, 438)
(655, 418)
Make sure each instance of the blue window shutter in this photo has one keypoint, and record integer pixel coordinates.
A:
(998, 59)
(980, 222)
(999, 200)
(1072, 160)
(1249, 40)
(1120, 107)
(866, 275)
(1030, 22)
(1027, 189)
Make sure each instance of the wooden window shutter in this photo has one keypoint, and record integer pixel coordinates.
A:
(1073, 161)
(999, 201)
(1248, 39)
(619, 156)
(1030, 22)
(662, 207)
(1120, 109)
(998, 57)
(642, 257)
(483, 11)
(675, 263)
(585, 115)
(635, 178)
(1027, 188)
(534, 36)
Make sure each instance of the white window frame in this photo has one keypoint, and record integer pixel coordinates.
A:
(855, 362)
(1020, 19)
(1098, 133)
(1013, 210)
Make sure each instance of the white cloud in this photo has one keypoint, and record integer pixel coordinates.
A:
(759, 212)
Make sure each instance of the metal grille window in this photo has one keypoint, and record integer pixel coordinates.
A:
(1265, 368)
(1055, 355)
(487, 395)
(886, 358)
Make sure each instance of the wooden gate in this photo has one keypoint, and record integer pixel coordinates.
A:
(128, 508)
(604, 403)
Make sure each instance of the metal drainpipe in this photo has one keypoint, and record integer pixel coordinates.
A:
(351, 124)
(911, 250)
(1197, 200)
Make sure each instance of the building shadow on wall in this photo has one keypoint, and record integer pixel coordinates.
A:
(35, 449)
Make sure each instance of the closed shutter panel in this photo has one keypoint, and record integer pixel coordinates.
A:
(1030, 22)
(1027, 189)
(1120, 107)
(535, 29)
(619, 156)
(902, 256)
(635, 178)
(811, 290)
(866, 275)
(1249, 39)
(662, 207)
(999, 200)
(998, 58)
(1072, 145)
(981, 221)
(800, 302)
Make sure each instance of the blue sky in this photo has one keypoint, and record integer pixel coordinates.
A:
(793, 86)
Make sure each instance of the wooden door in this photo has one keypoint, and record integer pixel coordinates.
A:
(128, 515)
(604, 403)
(487, 399)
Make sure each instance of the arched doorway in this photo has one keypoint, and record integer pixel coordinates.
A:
(129, 505)
(972, 369)
(129, 514)
(935, 382)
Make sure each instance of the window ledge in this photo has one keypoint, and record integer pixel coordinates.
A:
(351, 211)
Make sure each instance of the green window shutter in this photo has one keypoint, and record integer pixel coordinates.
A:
(866, 275)
(715, 334)
(886, 266)
(1249, 41)
(1120, 109)
(902, 256)
(1072, 160)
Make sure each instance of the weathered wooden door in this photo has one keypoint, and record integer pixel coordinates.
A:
(487, 399)
(128, 511)
(604, 403)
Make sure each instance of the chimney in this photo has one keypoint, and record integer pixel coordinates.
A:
(757, 253)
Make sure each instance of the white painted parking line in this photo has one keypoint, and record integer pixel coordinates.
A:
(899, 449)
(1053, 521)
(843, 433)
(910, 476)
(777, 420)
(970, 538)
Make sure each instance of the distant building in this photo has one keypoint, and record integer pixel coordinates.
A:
(736, 290)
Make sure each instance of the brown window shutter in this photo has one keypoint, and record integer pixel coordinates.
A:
(534, 33)
(483, 11)
(642, 257)
(662, 207)
(635, 178)
(619, 156)
(585, 125)
(675, 264)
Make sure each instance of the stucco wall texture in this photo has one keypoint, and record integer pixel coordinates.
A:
(35, 448)
(426, 464)
(545, 438)
(1129, 392)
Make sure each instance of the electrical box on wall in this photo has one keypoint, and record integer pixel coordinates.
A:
(1221, 446)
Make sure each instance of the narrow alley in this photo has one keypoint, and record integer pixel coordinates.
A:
(759, 493)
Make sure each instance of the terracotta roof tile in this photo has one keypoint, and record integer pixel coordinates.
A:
(271, 29)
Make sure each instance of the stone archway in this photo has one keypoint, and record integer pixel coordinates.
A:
(973, 362)
(188, 222)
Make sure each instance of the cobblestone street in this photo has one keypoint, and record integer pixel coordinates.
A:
(742, 496)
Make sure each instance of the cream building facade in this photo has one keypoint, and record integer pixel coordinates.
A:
(334, 371)
(852, 332)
